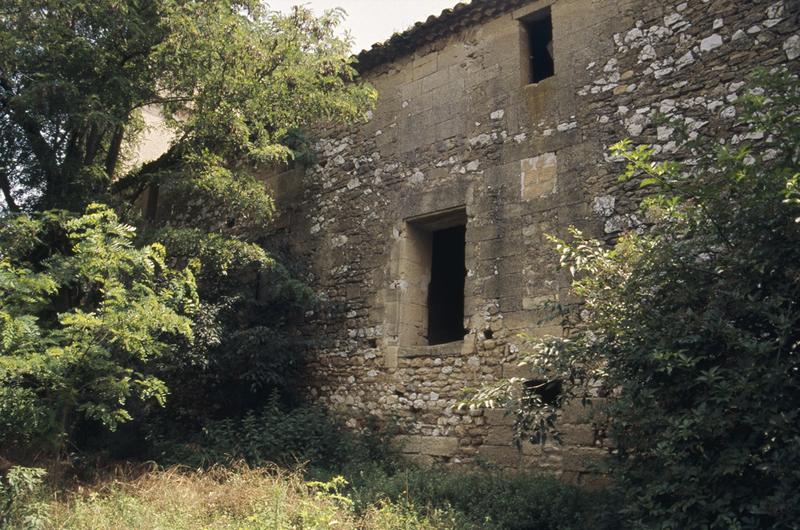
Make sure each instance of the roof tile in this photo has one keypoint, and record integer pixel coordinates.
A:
(450, 21)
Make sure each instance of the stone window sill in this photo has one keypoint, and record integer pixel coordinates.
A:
(543, 83)
(451, 349)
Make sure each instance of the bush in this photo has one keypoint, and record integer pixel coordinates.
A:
(304, 436)
(246, 345)
(490, 499)
(83, 316)
(241, 497)
(694, 324)
(18, 489)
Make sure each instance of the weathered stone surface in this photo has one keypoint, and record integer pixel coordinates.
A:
(428, 445)
(459, 131)
(578, 459)
(421, 460)
(504, 455)
(792, 47)
(538, 176)
(576, 412)
(579, 435)
(499, 418)
(710, 43)
(498, 435)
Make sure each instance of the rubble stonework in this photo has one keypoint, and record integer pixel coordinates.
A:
(458, 126)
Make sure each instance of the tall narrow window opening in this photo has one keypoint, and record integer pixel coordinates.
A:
(446, 289)
(431, 268)
(539, 29)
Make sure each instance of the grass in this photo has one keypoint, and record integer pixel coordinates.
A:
(241, 497)
(219, 499)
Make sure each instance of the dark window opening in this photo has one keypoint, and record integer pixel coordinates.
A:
(446, 290)
(548, 391)
(540, 46)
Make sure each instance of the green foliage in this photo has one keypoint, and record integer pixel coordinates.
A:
(238, 86)
(255, 75)
(693, 323)
(270, 435)
(83, 312)
(303, 435)
(232, 79)
(234, 499)
(489, 500)
(18, 490)
(205, 193)
(243, 497)
(243, 349)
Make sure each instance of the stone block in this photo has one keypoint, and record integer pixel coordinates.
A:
(468, 347)
(449, 128)
(424, 66)
(538, 302)
(514, 370)
(421, 460)
(544, 462)
(498, 417)
(549, 449)
(502, 455)
(390, 354)
(582, 459)
(576, 412)
(498, 435)
(519, 320)
(539, 176)
(581, 435)
(428, 445)
(434, 80)
(541, 99)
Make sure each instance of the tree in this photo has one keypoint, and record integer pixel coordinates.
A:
(239, 86)
(82, 313)
(231, 78)
(693, 324)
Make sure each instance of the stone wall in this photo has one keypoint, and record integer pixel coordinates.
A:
(459, 129)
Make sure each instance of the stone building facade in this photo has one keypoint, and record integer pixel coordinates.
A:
(478, 144)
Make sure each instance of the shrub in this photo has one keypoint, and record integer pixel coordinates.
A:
(304, 436)
(83, 314)
(489, 499)
(18, 489)
(246, 345)
(241, 497)
(694, 323)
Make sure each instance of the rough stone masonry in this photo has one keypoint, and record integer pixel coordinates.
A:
(469, 141)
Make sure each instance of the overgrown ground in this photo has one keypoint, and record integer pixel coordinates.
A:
(240, 497)
(224, 499)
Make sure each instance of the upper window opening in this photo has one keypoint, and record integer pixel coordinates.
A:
(539, 29)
